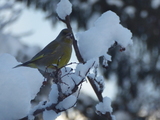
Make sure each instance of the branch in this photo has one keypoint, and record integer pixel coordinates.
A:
(67, 22)
(81, 60)
(79, 57)
(98, 93)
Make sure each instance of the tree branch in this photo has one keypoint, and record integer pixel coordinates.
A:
(75, 45)
(81, 60)
(79, 57)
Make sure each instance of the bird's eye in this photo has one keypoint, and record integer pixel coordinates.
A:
(70, 35)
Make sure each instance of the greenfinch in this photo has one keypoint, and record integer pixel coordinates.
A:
(54, 56)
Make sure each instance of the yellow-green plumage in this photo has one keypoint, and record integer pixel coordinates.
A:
(57, 53)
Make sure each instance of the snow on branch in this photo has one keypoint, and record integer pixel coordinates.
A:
(107, 30)
(104, 108)
(64, 8)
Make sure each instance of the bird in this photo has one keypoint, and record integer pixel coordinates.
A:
(54, 56)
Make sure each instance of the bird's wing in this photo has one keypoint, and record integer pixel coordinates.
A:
(48, 50)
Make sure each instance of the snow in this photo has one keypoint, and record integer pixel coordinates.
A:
(53, 95)
(71, 78)
(41, 105)
(82, 69)
(64, 8)
(104, 106)
(17, 88)
(96, 41)
(106, 58)
(68, 92)
(100, 81)
(67, 85)
(67, 103)
(50, 115)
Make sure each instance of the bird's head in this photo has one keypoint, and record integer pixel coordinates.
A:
(65, 36)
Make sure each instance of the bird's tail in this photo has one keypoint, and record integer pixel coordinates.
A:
(18, 65)
(26, 64)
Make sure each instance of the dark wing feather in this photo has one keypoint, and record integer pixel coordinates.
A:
(48, 50)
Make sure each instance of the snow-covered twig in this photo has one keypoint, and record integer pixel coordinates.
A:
(66, 84)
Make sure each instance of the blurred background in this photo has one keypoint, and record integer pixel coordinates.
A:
(133, 76)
